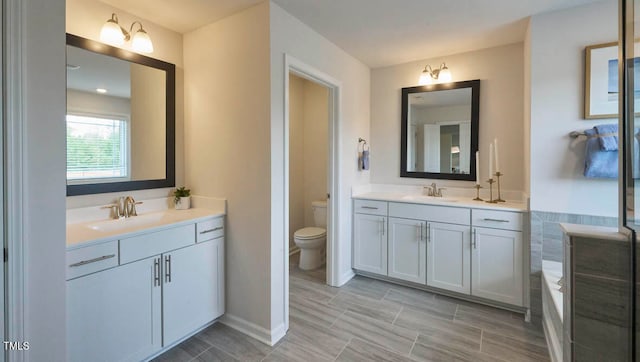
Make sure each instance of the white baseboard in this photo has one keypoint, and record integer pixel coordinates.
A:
(553, 343)
(268, 337)
(345, 277)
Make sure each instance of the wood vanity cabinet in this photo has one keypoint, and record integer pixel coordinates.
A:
(134, 310)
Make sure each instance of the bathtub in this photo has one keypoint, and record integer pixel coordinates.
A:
(552, 308)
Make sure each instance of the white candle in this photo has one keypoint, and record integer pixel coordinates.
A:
(490, 160)
(495, 141)
(477, 168)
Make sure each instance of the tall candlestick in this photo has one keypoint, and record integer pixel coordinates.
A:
(477, 168)
(495, 141)
(490, 160)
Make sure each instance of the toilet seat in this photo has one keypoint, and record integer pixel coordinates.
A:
(309, 233)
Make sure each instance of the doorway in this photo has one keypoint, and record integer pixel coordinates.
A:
(332, 87)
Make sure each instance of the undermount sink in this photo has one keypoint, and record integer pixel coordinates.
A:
(126, 223)
(427, 198)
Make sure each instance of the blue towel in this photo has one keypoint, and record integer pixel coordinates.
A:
(365, 159)
(607, 136)
(598, 163)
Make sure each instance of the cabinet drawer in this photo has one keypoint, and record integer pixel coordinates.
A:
(444, 214)
(370, 207)
(91, 259)
(497, 219)
(143, 246)
(210, 229)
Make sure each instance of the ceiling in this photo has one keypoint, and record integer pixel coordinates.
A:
(378, 32)
(90, 71)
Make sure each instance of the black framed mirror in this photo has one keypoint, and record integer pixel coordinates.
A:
(120, 119)
(439, 131)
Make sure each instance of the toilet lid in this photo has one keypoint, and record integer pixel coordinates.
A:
(309, 233)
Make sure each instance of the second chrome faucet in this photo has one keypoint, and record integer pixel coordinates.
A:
(434, 191)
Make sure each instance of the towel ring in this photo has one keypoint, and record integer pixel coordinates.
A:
(364, 144)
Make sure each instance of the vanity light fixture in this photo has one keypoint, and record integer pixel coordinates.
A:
(455, 149)
(101, 90)
(114, 34)
(429, 75)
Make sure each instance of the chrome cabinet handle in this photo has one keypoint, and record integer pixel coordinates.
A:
(475, 239)
(211, 230)
(495, 220)
(369, 207)
(85, 262)
(428, 233)
(156, 272)
(167, 269)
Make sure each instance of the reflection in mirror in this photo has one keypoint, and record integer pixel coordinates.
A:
(439, 130)
(120, 119)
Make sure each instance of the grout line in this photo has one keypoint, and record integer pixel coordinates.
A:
(334, 322)
(397, 315)
(481, 336)
(414, 343)
(455, 314)
(343, 348)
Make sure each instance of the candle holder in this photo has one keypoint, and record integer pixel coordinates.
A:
(478, 187)
(491, 200)
(498, 174)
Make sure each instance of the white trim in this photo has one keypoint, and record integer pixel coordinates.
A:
(344, 278)
(13, 162)
(301, 69)
(553, 343)
(268, 337)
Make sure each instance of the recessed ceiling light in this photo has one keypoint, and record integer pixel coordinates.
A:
(101, 90)
(72, 67)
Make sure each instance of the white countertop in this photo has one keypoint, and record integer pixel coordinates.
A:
(456, 201)
(92, 232)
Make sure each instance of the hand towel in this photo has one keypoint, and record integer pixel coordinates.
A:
(365, 160)
(599, 163)
(607, 135)
(360, 159)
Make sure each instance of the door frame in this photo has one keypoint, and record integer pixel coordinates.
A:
(306, 71)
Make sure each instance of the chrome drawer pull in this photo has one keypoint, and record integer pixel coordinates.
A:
(495, 220)
(156, 272)
(167, 268)
(85, 262)
(369, 207)
(211, 230)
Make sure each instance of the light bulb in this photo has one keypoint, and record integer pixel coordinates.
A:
(111, 33)
(141, 42)
(445, 75)
(425, 78)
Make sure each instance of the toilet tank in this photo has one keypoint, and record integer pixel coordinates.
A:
(319, 213)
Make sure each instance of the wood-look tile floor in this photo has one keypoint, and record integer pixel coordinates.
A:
(371, 320)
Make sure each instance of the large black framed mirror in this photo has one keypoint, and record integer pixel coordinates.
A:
(120, 119)
(439, 131)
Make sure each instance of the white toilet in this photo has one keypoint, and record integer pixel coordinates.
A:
(312, 241)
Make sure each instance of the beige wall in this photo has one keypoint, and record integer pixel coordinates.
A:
(500, 71)
(148, 120)
(97, 103)
(308, 149)
(227, 147)
(85, 18)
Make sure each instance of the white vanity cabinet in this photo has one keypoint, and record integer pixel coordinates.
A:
(406, 250)
(473, 252)
(449, 257)
(166, 286)
(114, 315)
(497, 256)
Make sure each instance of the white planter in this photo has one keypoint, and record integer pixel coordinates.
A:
(183, 203)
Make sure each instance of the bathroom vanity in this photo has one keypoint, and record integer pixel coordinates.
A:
(137, 286)
(455, 246)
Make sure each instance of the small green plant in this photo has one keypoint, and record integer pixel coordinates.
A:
(181, 192)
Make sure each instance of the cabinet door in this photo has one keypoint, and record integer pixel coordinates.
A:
(497, 265)
(191, 290)
(114, 315)
(449, 257)
(407, 250)
(370, 243)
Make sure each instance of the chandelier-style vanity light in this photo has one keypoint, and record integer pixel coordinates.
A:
(429, 75)
(114, 34)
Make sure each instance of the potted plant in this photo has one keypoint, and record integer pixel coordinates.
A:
(182, 198)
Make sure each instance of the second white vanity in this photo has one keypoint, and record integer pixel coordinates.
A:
(137, 286)
(452, 245)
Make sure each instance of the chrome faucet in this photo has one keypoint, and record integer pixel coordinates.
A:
(434, 191)
(124, 207)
